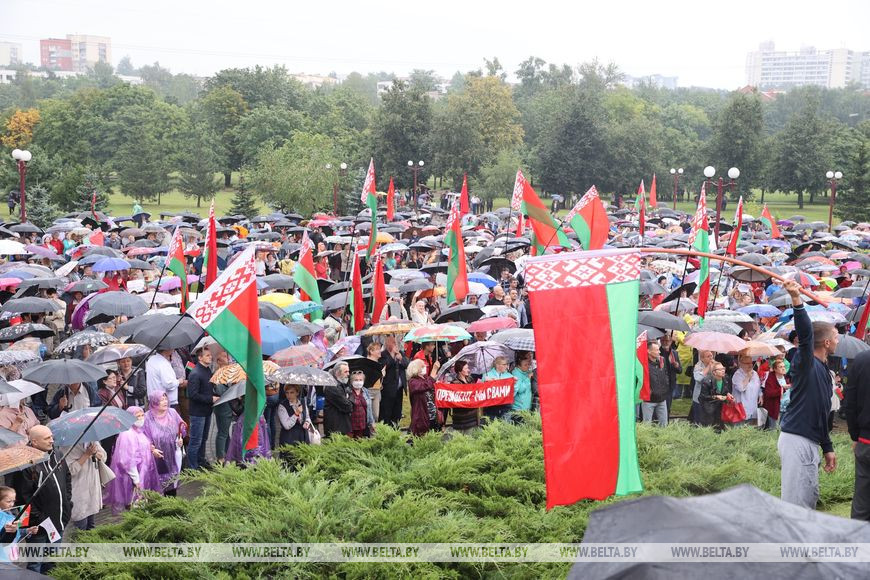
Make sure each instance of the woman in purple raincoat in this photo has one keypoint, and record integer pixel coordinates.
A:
(166, 429)
(262, 448)
(133, 464)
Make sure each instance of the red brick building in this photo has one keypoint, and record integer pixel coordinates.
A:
(56, 53)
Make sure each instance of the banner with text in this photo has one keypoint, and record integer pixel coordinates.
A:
(471, 396)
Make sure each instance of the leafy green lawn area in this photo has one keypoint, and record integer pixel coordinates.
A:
(174, 201)
(488, 487)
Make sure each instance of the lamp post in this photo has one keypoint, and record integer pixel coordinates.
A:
(415, 169)
(22, 157)
(342, 171)
(676, 173)
(833, 177)
(733, 174)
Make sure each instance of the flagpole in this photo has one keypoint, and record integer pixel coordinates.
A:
(95, 417)
(159, 278)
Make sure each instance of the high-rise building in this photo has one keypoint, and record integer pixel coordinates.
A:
(768, 68)
(10, 53)
(88, 50)
(55, 54)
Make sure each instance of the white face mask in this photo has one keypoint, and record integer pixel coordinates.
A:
(140, 422)
(357, 384)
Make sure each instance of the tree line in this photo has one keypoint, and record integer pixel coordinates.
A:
(567, 127)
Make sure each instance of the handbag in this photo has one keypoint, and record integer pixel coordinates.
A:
(313, 434)
(733, 413)
(106, 473)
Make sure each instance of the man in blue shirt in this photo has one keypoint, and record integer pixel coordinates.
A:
(804, 422)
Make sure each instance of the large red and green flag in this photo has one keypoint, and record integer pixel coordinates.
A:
(391, 201)
(588, 219)
(770, 223)
(370, 199)
(653, 201)
(517, 200)
(641, 368)
(379, 289)
(457, 275)
(463, 196)
(735, 233)
(209, 259)
(861, 329)
(177, 264)
(357, 305)
(229, 312)
(699, 239)
(594, 295)
(547, 230)
(305, 276)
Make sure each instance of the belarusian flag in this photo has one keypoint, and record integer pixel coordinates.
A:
(588, 219)
(642, 368)
(640, 206)
(861, 329)
(463, 197)
(593, 295)
(735, 233)
(391, 201)
(229, 312)
(304, 275)
(177, 264)
(209, 258)
(357, 306)
(379, 289)
(457, 276)
(370, 199)
(517, 200)
(97, 238)
(699, 239)
(653, 201)
(770, 223)
(546, 228)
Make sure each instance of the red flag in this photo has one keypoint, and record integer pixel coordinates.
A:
(97, 238)
(211, 248)
(642, 369)
(457, 276)
(391, 200)
(379, 289)
(357, 305)
(735, 233)
(547, 231)
(463, 197)
(94, 205)
(25, 518)
(517, 199)
(861, 330)
(642, 217)
(653, 202)
(767, 219)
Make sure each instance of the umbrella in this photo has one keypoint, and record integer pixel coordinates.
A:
(63, 371)
(849, 292)
(17, 331)
(20, 457)
(521, 342)
(373, 370)
(302, 308)
(305, 328)
(234, 373)
(482, 278)
(406, 274)
(684, 304)
(415, 285)
(757, 348)
(117, 303)
(335, 302)
(300, 355)
(763, 310)
(111, 265)
(275, 336)
(747, 275)
(68, 427)
(303, 375)
(662, 320)
(44, 252)
(270, 312)
(8, 438)
(86, 286)
(32, 305)
(25, 389)
(279, 281)
(490, 324)
(727, 316)
(391, 327)
(849, 347)
(279, 299)
(18, 358)
(174, 282)
(802, 278)
(651, 288)
(182, 331)
(720, 326)
(7, 389)
(715, 341)
(91, 338)
(651, 333)
(461, 313)
(9, 283)
(111, 353)
(12, 248)
(437, 332)
(479, 356)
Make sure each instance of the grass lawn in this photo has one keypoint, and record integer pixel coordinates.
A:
(174, 201)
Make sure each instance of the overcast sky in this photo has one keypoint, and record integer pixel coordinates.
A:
(702, 43)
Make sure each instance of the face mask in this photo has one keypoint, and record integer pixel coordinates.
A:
(140, 422)
(357, 384)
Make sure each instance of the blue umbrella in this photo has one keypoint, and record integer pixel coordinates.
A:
(482, 278)
(20, 274)
(763, 310)
(275, 336)
(303, 308)
(91, 259)
(69, 426)
(111, 265)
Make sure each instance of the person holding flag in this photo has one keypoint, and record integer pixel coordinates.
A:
(304, 275)
(699, 240)
(457, 275)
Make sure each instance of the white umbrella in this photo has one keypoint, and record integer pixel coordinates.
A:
(27, 389)
(727, 316)
(12, 248)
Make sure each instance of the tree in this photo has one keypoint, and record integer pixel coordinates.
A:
(262, 86)
(455, 143)
(853, 195)
(89, 186)
(425, 80)
(294, 176)
(199, 164)
(737, 138)
(801, 156)
(266, 126)
(143, 168)
(497, 178)
(488, 107)
(243, 199)
(125, 66)
(19, 128)
(41, 210)
(224, 108)
(494, 69)
(399, 134)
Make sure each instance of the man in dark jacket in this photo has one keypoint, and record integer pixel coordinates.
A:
(393, 385)
(54, 500)
(659, 386)
(857, 408)
(201, 397)
(338, 406)
(804, 423)
(74, 397)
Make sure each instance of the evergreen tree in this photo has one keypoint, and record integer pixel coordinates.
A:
(199, 166)
(853, 195)
(41, 211)
(243, 200)
(85, 194)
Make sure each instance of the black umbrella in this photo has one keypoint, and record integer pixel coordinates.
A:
(652, 333)
(860, 272)
(371, 368)
(46, 283)
(461, 313)
(279, 281)
(86, 286)
(651, 288)
(437, 267)
(67, 428)
(137, 264)
(304, 328)
(114, 352)
(661, 320)
(63, 371)
(683, 291)
(755, 259)
(747, 274)
(32, 305)
(415, 286)
(335, 301)
(270, 312)
(25, 228)
(154, 332)
(13, 333)
(335, 288)
(497, 264)
(117, 303)
(9, 438)
(848, 292)
(849, 347)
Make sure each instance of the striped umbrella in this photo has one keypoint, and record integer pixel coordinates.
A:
(437, 332)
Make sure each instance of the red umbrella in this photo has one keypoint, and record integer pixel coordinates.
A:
(9, 283)
(490, 324)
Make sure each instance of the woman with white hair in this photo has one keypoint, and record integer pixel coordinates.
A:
(421, 389)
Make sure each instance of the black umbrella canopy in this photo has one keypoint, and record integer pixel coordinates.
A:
(336, 301)
(335, 288)
(153, 333)
(461, 313)
(32, 305)
(652, 333)
(43, 283)
(747, 275)
(63, 371)
(651, 288)
(279, 281)
(13, 333)
(69, 427)
(117, 303)
(86, 286)
(416, 285)
(755, 259)
(304, 328)
(849, 347)
(662, 320)
(269, 311)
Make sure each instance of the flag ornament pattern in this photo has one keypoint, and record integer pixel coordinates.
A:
(699, 239)
(770, 223)
(457, 275)
(735, 233)
(594, 295)
(370, 198)
(588, 219)
(229, 312)
(517, 200)
(177, 263)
